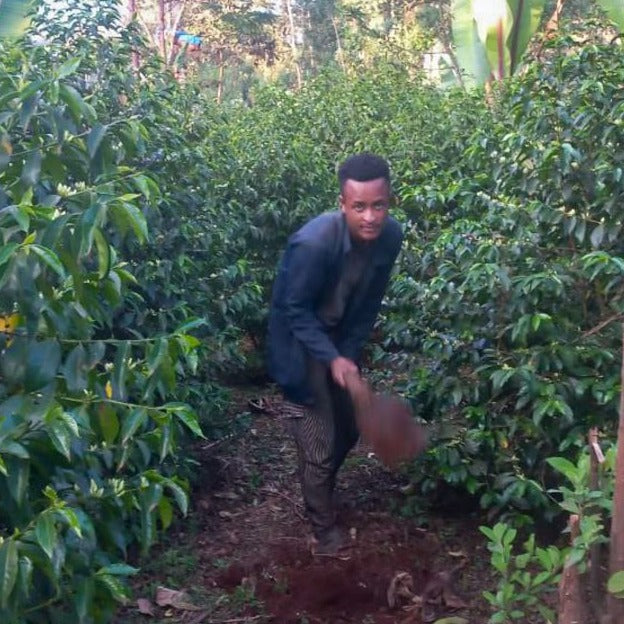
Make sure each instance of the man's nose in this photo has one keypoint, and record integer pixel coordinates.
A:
(369, 215)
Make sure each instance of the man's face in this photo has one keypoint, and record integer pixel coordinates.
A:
(365, 207)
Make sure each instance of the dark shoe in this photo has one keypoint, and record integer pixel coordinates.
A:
(332, 543)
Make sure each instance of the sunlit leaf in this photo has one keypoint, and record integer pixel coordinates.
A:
(615, 11)
(45, 531)
(50, 258)
(14, 20)
(470, 51)
(8, 570)
(94, 138)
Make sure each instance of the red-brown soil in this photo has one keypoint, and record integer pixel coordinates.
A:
(250, 546)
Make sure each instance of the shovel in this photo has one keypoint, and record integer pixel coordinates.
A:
(386, 423)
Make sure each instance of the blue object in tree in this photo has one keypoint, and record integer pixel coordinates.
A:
(184, 38)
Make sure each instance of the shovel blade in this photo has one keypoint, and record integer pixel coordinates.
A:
(386, 423)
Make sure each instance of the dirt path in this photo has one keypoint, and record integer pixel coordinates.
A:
(243, 555)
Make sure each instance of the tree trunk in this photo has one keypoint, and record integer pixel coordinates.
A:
(132, 10)
(293, 41)
(161, 30)
(175, 24)
(339, 50)
(595, 551)
(572, 605)
(221, 77)
(615, 606)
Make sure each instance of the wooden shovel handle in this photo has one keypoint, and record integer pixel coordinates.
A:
(358, 388)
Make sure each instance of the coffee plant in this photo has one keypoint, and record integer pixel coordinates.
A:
(515, 347)
(89, 421)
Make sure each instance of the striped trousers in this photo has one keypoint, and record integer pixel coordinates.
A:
(324, 434)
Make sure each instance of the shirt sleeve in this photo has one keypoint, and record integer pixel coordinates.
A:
(306, 274)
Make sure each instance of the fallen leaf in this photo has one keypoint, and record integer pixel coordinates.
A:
(173, 598)
(401, 586)
(452, 620)
(452, 600)
(164, 596)
(145, 607)
(227, 495)
(197, 619)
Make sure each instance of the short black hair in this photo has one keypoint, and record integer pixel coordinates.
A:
(364, 167)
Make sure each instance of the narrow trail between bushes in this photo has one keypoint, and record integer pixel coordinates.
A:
(243, 554)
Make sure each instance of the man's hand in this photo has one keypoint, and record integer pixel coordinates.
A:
(341, 367)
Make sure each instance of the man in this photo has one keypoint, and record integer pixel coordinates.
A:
(326, 297)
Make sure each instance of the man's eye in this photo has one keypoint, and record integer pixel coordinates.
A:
(358, 207)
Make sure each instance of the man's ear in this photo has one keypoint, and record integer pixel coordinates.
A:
(341, 202)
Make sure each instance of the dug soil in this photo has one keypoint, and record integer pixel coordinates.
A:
(244, 552)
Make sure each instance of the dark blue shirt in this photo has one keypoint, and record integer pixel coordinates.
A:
(308, 272)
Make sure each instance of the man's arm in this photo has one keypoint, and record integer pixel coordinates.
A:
(305, 279)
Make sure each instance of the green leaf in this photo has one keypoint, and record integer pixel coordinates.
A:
(95, 137)
(179, 494)
(75, 369)
(469, 48)
(575, 557)
(70, 516)
(493, 26)
(109, 422)
(50, 258)
(6, 150)
(597, 235)
(131, 423)
(452, 620)
(8, 570)
(191, 324)
(26, 112)
(42, 364)
(189, 418)
(60, 437)
(565, 467)
(118, 569)
(104, 254)
(165, 511)
(14, 19)
(616, 583)
(158, 352)
(24, 576)
(112, 584)
(615, 10)
(45, 532)
(526, 19)
(6, 251)
(165, 439)
(70, 423)
(74, 101)
(68, 67)
(32, 168)
(149, 500)
(19, 476)
(129, 216)
(120, 371)
(83, 599)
